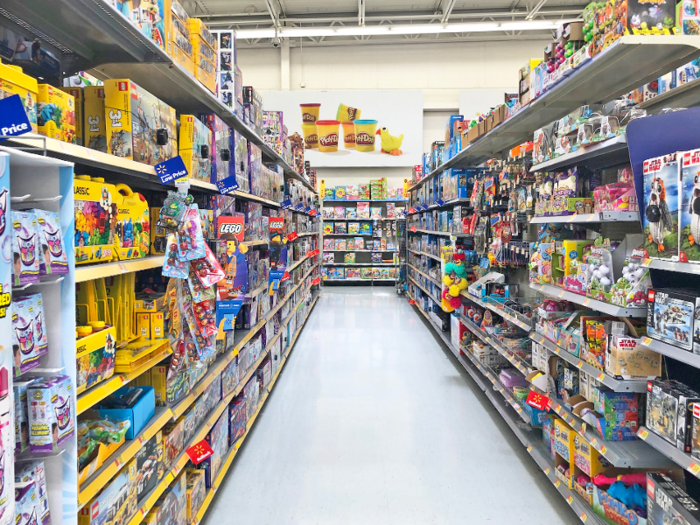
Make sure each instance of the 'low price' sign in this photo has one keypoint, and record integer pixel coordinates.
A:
(13, 118)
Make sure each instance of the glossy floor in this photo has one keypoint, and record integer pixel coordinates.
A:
(374, 422)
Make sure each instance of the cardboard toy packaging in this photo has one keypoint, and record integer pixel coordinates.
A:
(661, 206)
(195, 147)
(116, 504)
(14, 82)
(140, 127)
(51, 413)
(95, 219)
(94, 118)
(133, 231)
(689, 225)
(56, 114)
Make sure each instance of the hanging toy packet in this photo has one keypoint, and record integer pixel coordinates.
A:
(173, 210)
(172, 265)
(26, 248)
(54, 258)
(191, 242)
(208, 269)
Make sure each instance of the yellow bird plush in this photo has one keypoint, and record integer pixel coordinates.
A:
(390, 144)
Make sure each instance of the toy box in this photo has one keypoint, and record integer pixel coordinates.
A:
(149, 17)
(56, 114)
(171, 507)
(563, 440)
(150, 465)
(135, 404)
(95, 219)
(177, 31)
(667, 502)
(626, 358)
(33, 471)
(94, 118)
(173, 440)
(25, 345)
(671, 317)
(689, 227)
(116, 503)
(620, 415)
(641, 20)
(695, 445)
(218, 439)
(613, 510)
(195, 144)
(661, 206)
(133, 230)
(26, 247)
(669, 412)
(196, 492)
(51, 414)
(19, 390)
(95, 356)
(14, 82)
(220, 147)
(140, 127)
(26, 504)
(586, 458)
(79, 103)
(54, 258)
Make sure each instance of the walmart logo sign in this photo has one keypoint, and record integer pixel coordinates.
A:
(171, 170)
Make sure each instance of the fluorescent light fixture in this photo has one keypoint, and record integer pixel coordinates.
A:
(398, 29)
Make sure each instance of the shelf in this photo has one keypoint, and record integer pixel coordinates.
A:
(97, 393)
(435, 257)
(426, 276)
(348, 235)
(580, 218)
(362, 251)
(508, 317)
(331, 201)
(617, 385)
(435, 232)
(672, 266)
(625, 65)
(425, 291)
(447, 204)
(369, 264)
(671, 351)
(307, 234)
(99, 271)
(121, 456)
(518, 362)
(358, 280)
(359, 220)
(593, 304)
(607, 153)
(684, 96)
(679, 457)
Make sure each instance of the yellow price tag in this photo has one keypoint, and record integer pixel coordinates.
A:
(586, 302)
(578, 364)
(603, 449)
(646, 262)
(583, 428)
(643, 433)
(546, 471)
(518, 410)
(529, 448)
(570, 500)
(594, 441)
(583, 516)
(561, 294)
(694, 468)
(646, 341)
(557, 483)
(601, 376)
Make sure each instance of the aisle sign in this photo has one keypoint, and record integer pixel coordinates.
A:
(171, 169)
(199, 452)
(316, 281)
(537, 400)
(13, 118)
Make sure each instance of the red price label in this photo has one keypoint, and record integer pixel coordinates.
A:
(316, 281)
(537, 400)
(411, 301)
(413, 229)
(199, 452)
(314, 253)
(285, 277)
(411, 210)
(292, 236)
(312, 213)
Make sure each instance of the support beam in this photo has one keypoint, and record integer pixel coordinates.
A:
(446, 6)
(533, 12)
(360, 12)
(273, 9)
(285, 66)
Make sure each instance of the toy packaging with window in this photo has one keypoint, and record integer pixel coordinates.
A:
(668, 503)
(95, 219)
(56, 114)
(140, 127)
(195, 144)
(672, 318)
(14, 82)
(54, 258)
(661, 206)
(670, 412)
(26, 502)
(26, 247)
(116, 503)
(25, 347)
(51, 413)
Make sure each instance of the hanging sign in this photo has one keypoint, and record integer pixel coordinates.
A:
(13, 118)
(537, 400)
(227, 185)
(199, 452)
(171, 169)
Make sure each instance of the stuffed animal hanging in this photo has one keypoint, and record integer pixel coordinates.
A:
(455, 280)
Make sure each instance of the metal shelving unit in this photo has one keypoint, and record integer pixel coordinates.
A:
(678, 457)
(582, 218)
(606, 153)
(593, 304)
(511, 318)
(671, 351)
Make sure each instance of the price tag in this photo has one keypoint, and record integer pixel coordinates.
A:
(694, 468)
(557, 483)
(643, 433)
(646, 263)
(578, 364)
(586, 302)
(570, 500)
(603, 449)
(529, 448)
(518, 410)
(546, 471)
(646, 341)
(561, 294)
(583, 516)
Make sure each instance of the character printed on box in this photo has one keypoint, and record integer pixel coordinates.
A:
(25, 244)
(690, 207)
(54, 257)
(661, 179)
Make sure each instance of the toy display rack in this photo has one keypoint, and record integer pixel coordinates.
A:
(425, 275)
(630, 62)
(117, 49)
(518, 320)
(531, 439)
(425, 254)
(413, 229)
(426, 292)
(447, 204)
(606, 153)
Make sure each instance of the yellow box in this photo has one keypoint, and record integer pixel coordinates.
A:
(95, 219)
(77, 94)
(94, 122)
(14, 82)
(201, 49)
(586, 458)
(176, 19)
(151, 304)
(563, 440)
(196, 492)
(157, 325)
(133, 232)
(95, 357)
(197, 27)
(158, 237)
(152, 141)
(195, 138)
(158, 380)
(56, 114)
(182, 56)
(143, 325)
(206, 74)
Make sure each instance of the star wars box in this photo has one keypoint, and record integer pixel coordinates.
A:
(670, 412)
(195, 147)
(689, 227)
(671, 317)
(140, 127)
(668, 503)
(661, 206)
(150, 465)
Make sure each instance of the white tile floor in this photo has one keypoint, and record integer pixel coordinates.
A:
(372, 422)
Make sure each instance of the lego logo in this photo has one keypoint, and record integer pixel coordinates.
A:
(696, 410)
(231, 228)
(275, 225)
(649, 387)
(123, 86)
(95, 510)
(651, 296)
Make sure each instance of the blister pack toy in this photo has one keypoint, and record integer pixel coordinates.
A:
(51, 414)
(95, 219)
(173, 210)
(195, 147)
(26, 247)
(36, 312)
(172, 265)
(133, 231)
(141, 126)
(54, 257)
(208, 269)
(191, 238)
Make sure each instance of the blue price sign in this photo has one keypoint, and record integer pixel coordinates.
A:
(286, 204)
(227, 311)
(13, 118)
(227, 185)
(299, 207)
(440, 202)
(171, 169)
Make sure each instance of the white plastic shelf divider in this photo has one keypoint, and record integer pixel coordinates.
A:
(612, 150)
(618, 385)
(594, 218)
(593, 304)
(679, 457)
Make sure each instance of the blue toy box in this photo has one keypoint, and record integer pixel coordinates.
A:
(139, 414)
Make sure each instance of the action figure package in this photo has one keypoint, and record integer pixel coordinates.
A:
(34, 470)
(672, 317)
(670, 412)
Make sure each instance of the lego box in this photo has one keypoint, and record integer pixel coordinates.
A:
(195, 147)
(14, 82)
(94, 118)
(150, 465)
(56, 114)
(140, 127)
(661, 207)
(95, 220)
(670, 412)
(116, 504)
(671, 317)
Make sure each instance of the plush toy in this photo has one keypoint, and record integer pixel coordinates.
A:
(455, 280)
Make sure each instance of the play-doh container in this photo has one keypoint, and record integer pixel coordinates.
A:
(349, 135)
(328, 135)
(309, 113)
(365, 131)
(347, 114)
(310, 136)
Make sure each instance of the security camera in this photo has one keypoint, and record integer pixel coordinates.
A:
(276, 41)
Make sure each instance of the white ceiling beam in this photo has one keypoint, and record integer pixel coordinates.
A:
(533, 12)
(360, 12)
(446, 6)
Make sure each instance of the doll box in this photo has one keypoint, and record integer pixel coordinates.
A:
(56, 114)
(95, 358)
(14, 82)
(661, 206)
(141, 127)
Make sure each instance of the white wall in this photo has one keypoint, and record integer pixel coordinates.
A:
(439, 70)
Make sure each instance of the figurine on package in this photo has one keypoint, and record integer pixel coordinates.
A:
(55, 258)
(26, 247)
(690, 207)
(173, 210)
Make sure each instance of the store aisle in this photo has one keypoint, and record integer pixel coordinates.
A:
(372, 422)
